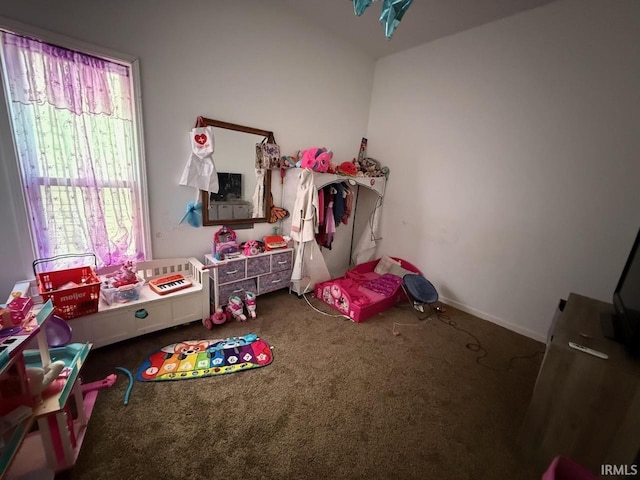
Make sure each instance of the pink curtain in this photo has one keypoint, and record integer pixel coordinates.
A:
(74, 132)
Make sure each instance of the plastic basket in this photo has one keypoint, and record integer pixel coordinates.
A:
(75, 292)
(124, 294)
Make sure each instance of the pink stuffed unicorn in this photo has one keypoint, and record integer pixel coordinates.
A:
(317, 159)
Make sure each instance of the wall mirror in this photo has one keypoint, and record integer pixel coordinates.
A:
(234, 157)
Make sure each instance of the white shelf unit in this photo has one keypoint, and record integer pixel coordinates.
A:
(259, 274)
(151, 311)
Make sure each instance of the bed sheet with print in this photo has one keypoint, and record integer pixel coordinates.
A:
(362, 293)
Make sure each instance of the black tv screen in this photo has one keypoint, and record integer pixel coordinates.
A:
(626, 301)
(229, 187)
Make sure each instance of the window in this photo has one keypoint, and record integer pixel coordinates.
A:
(73, 118)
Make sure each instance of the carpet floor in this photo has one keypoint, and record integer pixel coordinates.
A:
(341, 400)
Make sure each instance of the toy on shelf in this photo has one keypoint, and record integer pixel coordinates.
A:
(41, 378)
(122, 286)
(125, 276)
(225, 244)
(6, 322)
(251, 248)
(317, 159)
(20, 306)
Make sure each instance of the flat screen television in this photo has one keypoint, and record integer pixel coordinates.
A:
(624, 324)
(229, 188)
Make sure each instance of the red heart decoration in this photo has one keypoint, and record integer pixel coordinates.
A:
(200, 138)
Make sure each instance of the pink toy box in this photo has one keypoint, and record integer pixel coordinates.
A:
(352, 294)
(20, 307)
(225, 244)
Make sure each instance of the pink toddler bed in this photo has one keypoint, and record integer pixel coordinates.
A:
(362, 293)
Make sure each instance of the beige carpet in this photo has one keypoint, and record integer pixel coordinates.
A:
(341, 400)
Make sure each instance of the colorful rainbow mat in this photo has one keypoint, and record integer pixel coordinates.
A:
(205, 358)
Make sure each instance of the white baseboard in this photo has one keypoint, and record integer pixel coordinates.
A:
(498, 321)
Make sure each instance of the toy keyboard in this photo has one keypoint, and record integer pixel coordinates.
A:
(169, 284)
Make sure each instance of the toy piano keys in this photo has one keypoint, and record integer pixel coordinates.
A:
(169, 284)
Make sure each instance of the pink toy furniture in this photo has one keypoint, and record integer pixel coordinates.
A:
(20, 307)
(352, 294)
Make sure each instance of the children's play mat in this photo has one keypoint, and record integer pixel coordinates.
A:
(204, 358)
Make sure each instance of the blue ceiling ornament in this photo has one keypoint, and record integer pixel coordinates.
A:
(392, 12)
(359, 6)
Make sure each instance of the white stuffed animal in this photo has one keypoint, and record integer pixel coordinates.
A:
(41, 378)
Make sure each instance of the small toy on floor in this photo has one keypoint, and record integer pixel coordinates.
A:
(218, 318)
(237, 308)
(250, 302)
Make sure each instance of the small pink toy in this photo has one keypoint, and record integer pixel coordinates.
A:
(20, 307)
(251, 248)
(219, 317)
(126, 275)
(250, 302)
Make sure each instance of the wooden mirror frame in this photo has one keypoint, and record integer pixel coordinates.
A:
(206, 221)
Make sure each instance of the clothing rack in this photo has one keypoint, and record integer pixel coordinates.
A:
(341, 258)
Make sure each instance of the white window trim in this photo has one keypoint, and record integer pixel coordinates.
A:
(6, 138)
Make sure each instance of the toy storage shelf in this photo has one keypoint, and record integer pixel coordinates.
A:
(34, 329)
(62, 440)
(151, 311)
(259, 274)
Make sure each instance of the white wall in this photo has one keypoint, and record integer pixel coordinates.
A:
(514, 154)
(248, 62)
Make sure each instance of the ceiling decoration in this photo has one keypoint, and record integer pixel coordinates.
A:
(392, 12)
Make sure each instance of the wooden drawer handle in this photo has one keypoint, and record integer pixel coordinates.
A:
(238, 290)
(282, 263)
(232, 272)
(276, 281)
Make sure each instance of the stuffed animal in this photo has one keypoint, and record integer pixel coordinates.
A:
(41, 378)
(317, 159)
(347, 168)
(251, 248)
(126, 275)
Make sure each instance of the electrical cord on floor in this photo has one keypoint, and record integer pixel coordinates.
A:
(323, 313)
(475, 345)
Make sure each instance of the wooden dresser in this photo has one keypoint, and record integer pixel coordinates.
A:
(259, 274)
(583, 407)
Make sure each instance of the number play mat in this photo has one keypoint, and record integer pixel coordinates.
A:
(204, 358)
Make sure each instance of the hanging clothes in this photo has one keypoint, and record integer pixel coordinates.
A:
(304, 218)
(200, 171)
(321, 207)
(309, 267)
(348, 204)
(338, 203)
(258, 194)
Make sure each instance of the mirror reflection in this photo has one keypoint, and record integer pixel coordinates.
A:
(234, 158)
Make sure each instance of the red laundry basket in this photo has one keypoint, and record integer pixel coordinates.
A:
(74, 292)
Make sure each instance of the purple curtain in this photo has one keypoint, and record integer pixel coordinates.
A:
(74, 132)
